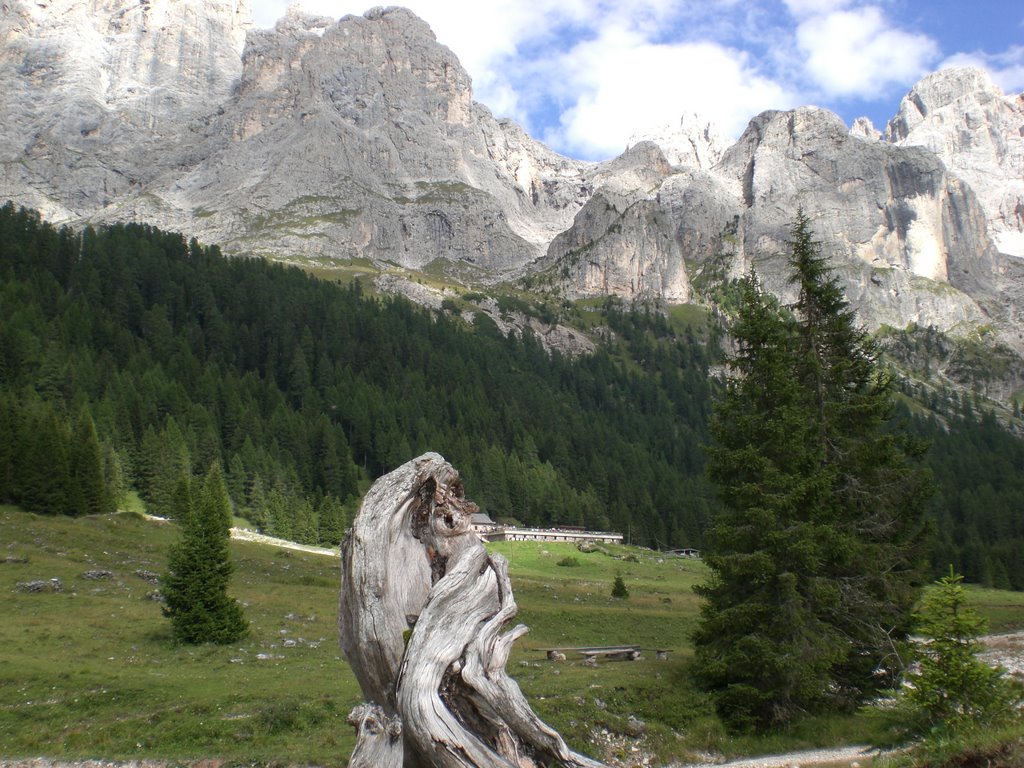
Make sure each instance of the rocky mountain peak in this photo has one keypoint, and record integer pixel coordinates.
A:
(360, 139)
(865, 129)
(374, 62)
(956, 87)
(961, 116)
(772, 139)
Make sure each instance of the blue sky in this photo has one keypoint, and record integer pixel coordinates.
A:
(585, 76)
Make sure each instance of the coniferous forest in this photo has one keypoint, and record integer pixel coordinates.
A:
(130, 358)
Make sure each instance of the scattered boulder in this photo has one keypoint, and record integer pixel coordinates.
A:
(40, 586)
(635, 728)
(149, 576)
(98, 575)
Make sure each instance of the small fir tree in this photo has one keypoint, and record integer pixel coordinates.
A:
(199, 567)
(619, 588)
(331, 521)
(90, 492)
(953, 691)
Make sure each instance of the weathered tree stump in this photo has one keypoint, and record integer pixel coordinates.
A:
(422, 610)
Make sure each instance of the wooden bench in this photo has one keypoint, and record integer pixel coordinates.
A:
(610, 652)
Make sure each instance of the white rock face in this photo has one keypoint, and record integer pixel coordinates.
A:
(98, 96)
(360, 139)
(963, 117)
(907, 238)
(885, 207)
(620, 242)
(863, 128)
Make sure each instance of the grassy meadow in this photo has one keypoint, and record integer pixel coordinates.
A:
(91, 672)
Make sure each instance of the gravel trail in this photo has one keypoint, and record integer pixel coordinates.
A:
(840, 757)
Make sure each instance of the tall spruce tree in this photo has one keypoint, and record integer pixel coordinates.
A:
(814, 560)
(91, 494)
(199, 567)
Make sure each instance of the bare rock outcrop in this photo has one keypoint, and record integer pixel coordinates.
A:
(693, 143)
(962, 117)
(918, 225)
(863, 128)
(907, 237)
(98, 97)
(361, 139)
(620, 243)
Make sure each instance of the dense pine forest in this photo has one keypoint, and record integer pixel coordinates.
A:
(131, 357)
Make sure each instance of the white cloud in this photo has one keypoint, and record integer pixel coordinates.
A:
(859, 53)
(623, 84)
(802, 8)
(586, 75)
(602, 66)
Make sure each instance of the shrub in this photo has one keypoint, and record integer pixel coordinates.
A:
(569, 562)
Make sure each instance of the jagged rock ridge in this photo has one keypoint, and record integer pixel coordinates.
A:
(360, 139)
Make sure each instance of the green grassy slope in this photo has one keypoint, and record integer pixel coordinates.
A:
(91, 671)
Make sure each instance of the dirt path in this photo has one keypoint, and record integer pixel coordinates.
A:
(838, 757)
(244, 534)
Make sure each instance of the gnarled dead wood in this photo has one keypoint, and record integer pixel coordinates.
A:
(379, 742)
(422, 610)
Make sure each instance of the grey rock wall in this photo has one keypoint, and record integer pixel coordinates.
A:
(98, 97)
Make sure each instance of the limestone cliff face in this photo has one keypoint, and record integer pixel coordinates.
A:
(620, 242)
(978, 132)
(899, 227)
(907, 237)
(922, 226)
(98, 97)
(360, 139)
(693, 142)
